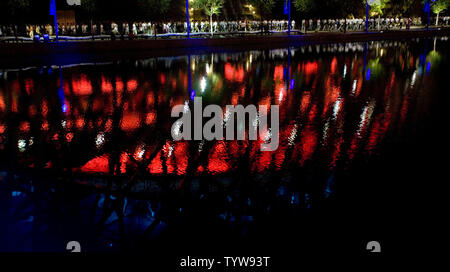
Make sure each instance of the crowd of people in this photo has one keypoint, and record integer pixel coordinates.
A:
(199, 27)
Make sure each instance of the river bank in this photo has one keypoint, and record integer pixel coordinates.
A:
(18, 54)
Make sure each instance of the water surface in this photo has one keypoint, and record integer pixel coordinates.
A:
(344, 108)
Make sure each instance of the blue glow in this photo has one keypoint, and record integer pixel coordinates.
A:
(329, 186)
(62, 99)
(368, 74)
(52, 8)
(422, 59)
(192, 94)
(308, 205)
(187, 18)
(281, 191)
(292, 83)
(16, 193)
(428, 67)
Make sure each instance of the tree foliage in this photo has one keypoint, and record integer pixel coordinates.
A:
(402, 7)
(439, 6)
(153, 8)
(15, 7)
(209, 7)
(264, 6)
(14, 10)
(350, 8)
(304, 5)
(377, 6)
(90, 6)
(329, 8)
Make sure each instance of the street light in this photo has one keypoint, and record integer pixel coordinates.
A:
(287, 10)
(187, 17)
(367, 16)
(53, 12)
(289, 26)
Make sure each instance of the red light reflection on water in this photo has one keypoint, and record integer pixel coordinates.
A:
(313, 117)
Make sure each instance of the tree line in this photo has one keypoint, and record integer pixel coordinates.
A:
(18, 11)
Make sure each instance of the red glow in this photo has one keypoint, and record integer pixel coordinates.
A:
(162, 78)
(333, 65)
(311, 68)
(132, 85)
(332, 91)
(336, 152)
(308, 144)
(358, 87)
(44, 125)
(235, 99)
(278, 74)
(306, 98)
(14, 106)
(69, 137)
(106, 86)
(97, 165)
(217, 162)
(123, 162)
(155, 167)
(24, 127)
(178, 161)
(151, 118)
(233, 74)
(131, 121)
(82, 86)
(119, 84)
(150, 99)
(29, 85)
(404, 109)
(2, 102)
(79, 123)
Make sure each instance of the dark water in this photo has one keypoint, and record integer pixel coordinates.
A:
(87, 154)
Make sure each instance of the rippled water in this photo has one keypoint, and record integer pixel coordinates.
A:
(334, 106)
(108, 124)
